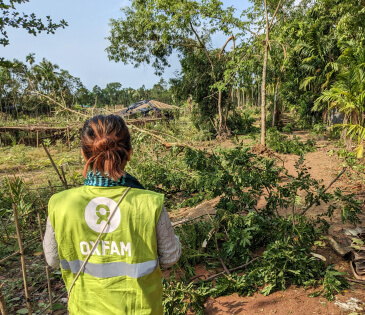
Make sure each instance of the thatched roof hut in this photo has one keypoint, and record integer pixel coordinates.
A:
(145, 107)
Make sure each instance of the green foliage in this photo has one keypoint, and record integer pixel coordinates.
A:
(288, 128)
(240, 123)
(319, 129)
(282, 144)
(179, 298)
(238, 229)
(10, 17)
(192, 238)
(285, 262)
(333, 282)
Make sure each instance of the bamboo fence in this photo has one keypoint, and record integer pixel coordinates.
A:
(35, 134)
(23, 260)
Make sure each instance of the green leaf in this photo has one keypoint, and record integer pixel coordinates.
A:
(59, 306)
(315, 294)
(357, 241)
(22, 311)
(267, 290)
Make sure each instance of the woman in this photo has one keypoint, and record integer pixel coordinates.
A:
(111, 235)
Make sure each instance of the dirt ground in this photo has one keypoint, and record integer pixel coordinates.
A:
(325, 166)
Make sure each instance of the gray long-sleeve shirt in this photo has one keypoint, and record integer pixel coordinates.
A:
(168, 244)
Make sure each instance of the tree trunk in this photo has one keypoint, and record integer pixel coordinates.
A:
(252, 99)
(220, 113)
(263, 92)
(238, 98)
(275, 101)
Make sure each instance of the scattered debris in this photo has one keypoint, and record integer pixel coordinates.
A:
(340, 247)
(319, 256)
(354, 232)
(351, 304)
(262, 149)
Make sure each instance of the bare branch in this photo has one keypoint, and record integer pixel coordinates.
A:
(328, 187)
(276, 11)
(205, 51)
(225, 44)
(59, 104)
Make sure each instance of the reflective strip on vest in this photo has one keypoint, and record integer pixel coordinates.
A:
(113, 269)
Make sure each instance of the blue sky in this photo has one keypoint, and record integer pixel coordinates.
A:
(80, 47)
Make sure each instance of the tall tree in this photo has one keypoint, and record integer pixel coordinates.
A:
(264, 15)
(151, 30)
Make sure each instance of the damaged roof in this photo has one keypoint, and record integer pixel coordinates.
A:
(146, 106)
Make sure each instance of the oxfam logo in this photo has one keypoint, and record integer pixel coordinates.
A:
(97, 213)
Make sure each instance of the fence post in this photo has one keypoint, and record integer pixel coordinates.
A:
(3, 309)
(47, 268)
(51, 187)
(68, 137)
(54, 166)
(22, 259)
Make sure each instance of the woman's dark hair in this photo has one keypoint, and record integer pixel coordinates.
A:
(105, 142)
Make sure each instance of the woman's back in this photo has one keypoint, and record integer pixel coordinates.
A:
(122, 275)
(119, 274)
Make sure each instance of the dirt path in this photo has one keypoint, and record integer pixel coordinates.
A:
(291, 301)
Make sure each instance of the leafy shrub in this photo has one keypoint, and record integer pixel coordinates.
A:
(319, 129)
(288, 128)
(282, 144)
(240, 123)
(239, 229)
(179, 298)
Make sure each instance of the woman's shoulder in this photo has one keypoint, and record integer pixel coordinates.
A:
(66, 194)
(147, 192)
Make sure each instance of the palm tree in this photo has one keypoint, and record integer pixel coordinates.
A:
(347, 94)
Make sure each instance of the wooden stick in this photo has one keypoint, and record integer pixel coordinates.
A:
(64, 175)
(233, 269)
(183, 221)
(54, 301)
(22, 259)
(54, 166)
(37, 139)
(51, 187)
(18, 252)
(68, 137)
(47, 267)
(3, 308)
(224, 266)
(356, 281)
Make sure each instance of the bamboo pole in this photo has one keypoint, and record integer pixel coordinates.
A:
(64, 175)
(3, 308)
(68, 137)
(47, 268)
(54, 166)
(51, 187)
(22, 259)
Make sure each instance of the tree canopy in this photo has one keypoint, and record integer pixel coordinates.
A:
(11, 17)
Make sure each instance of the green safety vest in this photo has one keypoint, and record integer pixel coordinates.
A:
(122, 276)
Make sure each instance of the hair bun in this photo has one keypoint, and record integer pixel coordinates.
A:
(104, 144)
